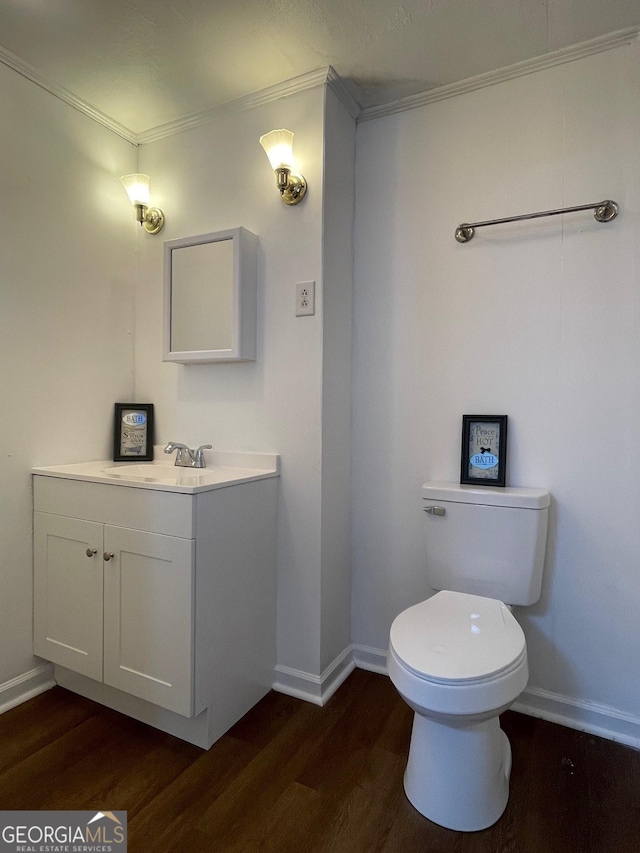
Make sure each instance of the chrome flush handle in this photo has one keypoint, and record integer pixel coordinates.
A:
(435, 510)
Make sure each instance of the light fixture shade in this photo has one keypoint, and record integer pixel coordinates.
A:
(278, 145)
(137, 187)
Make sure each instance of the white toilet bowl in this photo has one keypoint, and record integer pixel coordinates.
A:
(458, 660)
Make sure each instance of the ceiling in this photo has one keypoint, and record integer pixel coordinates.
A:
(144, 63)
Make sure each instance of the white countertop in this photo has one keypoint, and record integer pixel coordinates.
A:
(224, 468)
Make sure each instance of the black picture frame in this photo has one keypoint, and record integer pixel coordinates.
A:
(133, 442)
(482, 436)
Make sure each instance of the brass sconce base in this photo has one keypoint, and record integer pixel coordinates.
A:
(292, 187)
(153, 220)
(295, 190)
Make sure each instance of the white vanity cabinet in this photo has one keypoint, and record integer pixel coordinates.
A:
(165, 596)
(116, 605)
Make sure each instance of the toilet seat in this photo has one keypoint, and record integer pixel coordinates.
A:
(444, 668)
(458, 639)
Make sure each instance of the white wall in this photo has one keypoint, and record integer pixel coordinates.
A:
(538, 320)
(67, 239)
(216, 177)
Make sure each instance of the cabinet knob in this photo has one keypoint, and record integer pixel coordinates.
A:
(107, 556)
(91, 552)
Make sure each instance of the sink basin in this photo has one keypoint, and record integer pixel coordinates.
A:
(153, 473)
(224, 468)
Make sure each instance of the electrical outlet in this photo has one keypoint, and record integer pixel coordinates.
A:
(305, 298)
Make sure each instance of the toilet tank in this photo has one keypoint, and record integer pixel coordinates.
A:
(486, 541)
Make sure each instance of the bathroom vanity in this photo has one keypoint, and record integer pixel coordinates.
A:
(155, 586)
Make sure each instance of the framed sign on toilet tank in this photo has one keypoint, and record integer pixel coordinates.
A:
(484, 450)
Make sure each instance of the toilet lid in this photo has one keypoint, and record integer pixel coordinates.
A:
(454, 636)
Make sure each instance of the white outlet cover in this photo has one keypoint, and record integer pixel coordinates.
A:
(305, 298)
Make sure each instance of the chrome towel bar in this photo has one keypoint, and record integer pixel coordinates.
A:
(604, 211)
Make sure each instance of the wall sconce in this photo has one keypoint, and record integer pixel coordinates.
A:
(137, 187)
(279, 147)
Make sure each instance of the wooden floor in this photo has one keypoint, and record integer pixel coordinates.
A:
(293, 777)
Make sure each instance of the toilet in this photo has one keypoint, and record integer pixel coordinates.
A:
(459, 659)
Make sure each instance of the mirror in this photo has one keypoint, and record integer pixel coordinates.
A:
(210, 297)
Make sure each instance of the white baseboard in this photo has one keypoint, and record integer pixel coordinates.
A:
(373, 660)
(317, 689)
(585, 716)
(26, 686)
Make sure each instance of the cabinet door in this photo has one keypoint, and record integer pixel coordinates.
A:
(67, 616)
(148, 616)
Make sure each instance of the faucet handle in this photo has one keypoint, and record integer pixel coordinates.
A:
(199, 456)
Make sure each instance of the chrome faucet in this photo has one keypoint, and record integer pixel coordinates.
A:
(187, 458)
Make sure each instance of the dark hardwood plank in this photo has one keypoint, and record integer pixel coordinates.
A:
(87, 761)
(169, 817)
(275, 767)
(43, 719)
(294, 778)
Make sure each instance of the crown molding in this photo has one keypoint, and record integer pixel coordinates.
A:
(321, 76)
(248, 102)
(273, 93)
(23, 68)
(519, 69)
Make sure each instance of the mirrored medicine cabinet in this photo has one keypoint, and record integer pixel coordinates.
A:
(210, 297)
